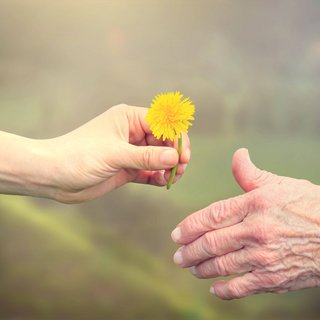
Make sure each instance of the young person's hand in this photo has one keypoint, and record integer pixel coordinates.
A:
(109, 151)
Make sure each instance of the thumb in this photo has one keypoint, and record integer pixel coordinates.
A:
(247, 175)
(148, 158)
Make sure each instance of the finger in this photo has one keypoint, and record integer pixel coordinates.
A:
(180, 171)
(311, 282)
(186, 151)
(151, 140)
(137, 119)
(145, 158)
(174, 144)
(183, 160)
(248, 176)
(185, 156)
(211, 244)
(155, 178)
(218, 215)
(236, 288)
(229, 264)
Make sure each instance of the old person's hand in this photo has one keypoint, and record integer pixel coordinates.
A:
(107, 152)
(269, 236)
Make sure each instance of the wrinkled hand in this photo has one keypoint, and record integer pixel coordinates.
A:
(270, 235)
(115, 148)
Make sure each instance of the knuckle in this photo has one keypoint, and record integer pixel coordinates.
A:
(262, 225)
(216, 212)
(190, 254)
(268, 281)
(233, 205)
(209, 244)
(205, 270)
(279, 280)
(262, 177)
(148, 156)
(219, 213)
(221, 267)
(119, 110)
(263, 258)
(260, 233)
(236, 291)
(120, 107)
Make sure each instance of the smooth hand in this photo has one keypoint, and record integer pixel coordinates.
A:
(269, 236)
(115, 148)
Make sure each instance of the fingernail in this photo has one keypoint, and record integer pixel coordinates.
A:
(177, 258)
(212, 290)
(169, 158)
(176, 234)
(193, 270)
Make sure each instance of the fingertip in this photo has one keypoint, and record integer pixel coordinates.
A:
(185, 156)
(193, 271)
(181, 169)
(185, 140)
(233, 288)
(169, 158)
(177, 258)
(217, 289)
(239, 155)
(176, 234)
(240, 163)
(188, 154)
(176, 178)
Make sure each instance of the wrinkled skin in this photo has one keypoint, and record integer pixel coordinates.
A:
(269, 236)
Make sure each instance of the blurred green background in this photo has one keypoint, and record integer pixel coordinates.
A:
(252, 68)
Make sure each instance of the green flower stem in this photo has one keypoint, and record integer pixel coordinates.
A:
(174, 170)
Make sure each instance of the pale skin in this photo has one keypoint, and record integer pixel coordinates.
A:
(109, 151)
(269, 237)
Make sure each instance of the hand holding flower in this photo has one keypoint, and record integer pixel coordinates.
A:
(109, 151)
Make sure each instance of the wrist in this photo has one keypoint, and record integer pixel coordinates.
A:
(26, 167)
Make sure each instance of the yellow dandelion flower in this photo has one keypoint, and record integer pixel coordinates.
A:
(170, 115)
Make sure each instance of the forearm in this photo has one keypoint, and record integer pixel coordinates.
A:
(25, 168)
